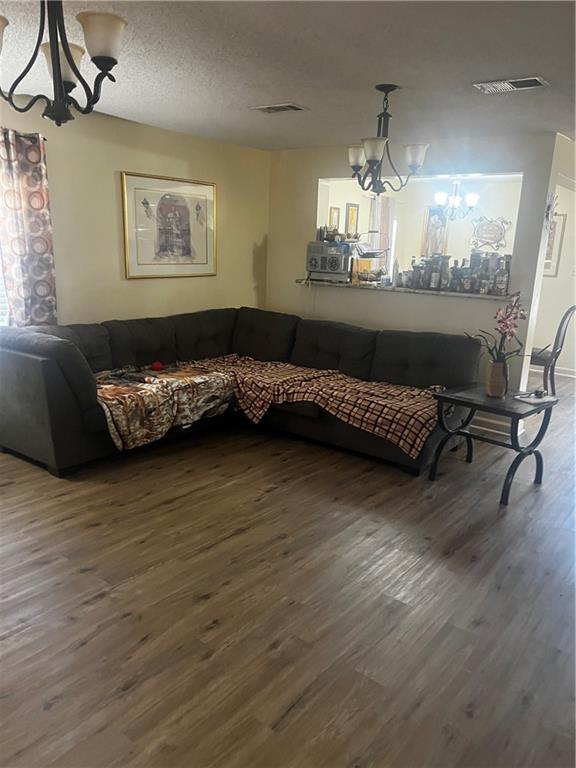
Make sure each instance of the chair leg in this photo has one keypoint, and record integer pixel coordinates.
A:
(552, 380)
(546, 378)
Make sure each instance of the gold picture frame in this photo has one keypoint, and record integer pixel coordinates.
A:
(352, 216)
(170, 226)
(334, 218)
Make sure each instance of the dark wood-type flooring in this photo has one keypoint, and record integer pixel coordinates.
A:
(238, 599)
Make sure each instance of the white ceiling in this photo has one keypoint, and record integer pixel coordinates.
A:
(197, 67)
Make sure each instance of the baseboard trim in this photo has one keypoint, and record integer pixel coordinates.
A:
(493, 426)
(570, 373)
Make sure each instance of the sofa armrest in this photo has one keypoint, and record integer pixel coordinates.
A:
(41, 416)
(66, 355)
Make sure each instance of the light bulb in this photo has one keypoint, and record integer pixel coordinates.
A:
(472, 199)
(441, 198)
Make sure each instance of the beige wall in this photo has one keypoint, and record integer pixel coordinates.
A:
(294, 184)
(562, 173)
(84, 163)
(267, 206)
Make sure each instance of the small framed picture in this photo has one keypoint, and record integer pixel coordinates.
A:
(334, 218)
(352, 210)
(435, 235)
(169, 226)
(554, 246)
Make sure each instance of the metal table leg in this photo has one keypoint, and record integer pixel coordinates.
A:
(451, 433)
(523, 452)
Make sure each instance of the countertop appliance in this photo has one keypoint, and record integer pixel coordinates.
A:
(329, 262)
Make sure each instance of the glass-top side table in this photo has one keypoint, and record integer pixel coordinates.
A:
(475, 400)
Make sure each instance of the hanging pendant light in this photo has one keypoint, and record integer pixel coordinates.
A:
(367, 160)
(102, 37)
(452, 204)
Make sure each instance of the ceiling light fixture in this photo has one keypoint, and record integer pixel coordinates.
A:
(366, 160)
(102, 36)
(452, 204)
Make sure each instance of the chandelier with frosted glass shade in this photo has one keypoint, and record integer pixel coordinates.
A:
(455, 205)
(367, 159)
(102, 37)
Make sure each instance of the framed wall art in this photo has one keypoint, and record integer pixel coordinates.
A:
(352, 211)
(169, 226)
(333, 217)
(435, 236)
(556, 230)
(489, 233)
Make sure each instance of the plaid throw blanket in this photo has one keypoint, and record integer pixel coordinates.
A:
(405, 416)
(141, 406)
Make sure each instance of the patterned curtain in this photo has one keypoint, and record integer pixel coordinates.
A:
(26, 230)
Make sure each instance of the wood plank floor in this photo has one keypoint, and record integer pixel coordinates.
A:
(246, 600)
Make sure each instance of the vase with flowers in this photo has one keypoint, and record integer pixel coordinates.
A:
(497, 345)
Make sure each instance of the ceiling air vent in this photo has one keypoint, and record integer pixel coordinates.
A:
(506, 86)
(273, 109)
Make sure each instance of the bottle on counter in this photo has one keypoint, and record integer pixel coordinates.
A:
(501, 279)
(454, 284)
(434, 278)
(475, 261)
(426, 272)
(396, 281)
(508, 267)
(467, 278)
(416, 276)
(484, 278)
(445, 273)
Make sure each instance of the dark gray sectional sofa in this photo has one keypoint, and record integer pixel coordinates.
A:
(48, 406)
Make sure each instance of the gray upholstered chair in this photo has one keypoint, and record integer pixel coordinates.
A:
(547, 356)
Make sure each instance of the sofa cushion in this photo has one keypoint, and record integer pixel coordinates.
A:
(421, 359)
(264, 335)
(90, 338)
(140, 342)
(204, 334)
(324, 344)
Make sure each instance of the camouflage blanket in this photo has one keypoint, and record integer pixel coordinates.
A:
(405, 416)
(143, 405)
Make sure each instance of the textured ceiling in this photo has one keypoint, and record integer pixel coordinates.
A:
(197, 67)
